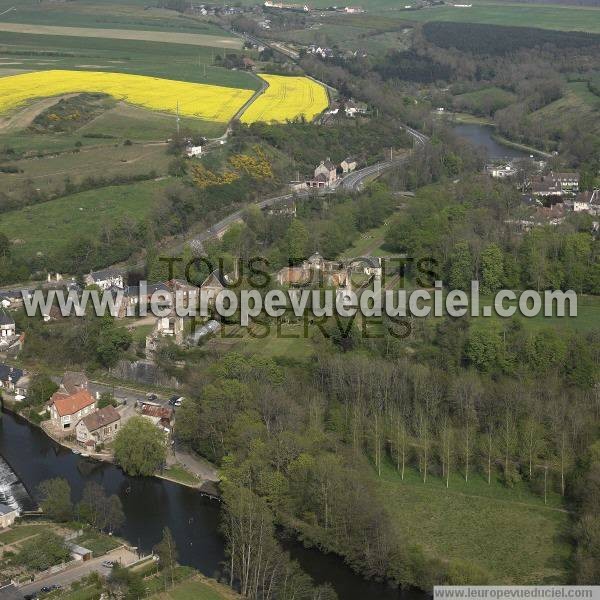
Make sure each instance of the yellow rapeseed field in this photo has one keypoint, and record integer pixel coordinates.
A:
(287, 98)
(209, 102)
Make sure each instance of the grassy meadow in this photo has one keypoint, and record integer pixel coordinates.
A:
(49, 226)
(508, 532)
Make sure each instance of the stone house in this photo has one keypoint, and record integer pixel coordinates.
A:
(99, 427)
(66, 410)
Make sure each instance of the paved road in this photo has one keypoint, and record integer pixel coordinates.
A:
(351, 182)
(65, 578)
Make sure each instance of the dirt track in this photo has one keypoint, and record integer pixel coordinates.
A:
(23, 118)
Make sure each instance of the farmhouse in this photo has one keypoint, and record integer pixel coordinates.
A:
(191, 151)
(99, 427)
(105, 279)
(66, 410)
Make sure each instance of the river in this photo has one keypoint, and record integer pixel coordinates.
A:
(481, 136)
(28, 457)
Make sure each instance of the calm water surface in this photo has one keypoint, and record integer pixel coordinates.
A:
(28, 457)
(481, 136)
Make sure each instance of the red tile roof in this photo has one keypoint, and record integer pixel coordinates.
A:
(69, 404)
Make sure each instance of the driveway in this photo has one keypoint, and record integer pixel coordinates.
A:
(65, 578)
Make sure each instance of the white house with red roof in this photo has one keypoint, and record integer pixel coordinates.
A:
(66, 410)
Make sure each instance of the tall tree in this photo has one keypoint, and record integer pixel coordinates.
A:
(140, 447)
(56, 499)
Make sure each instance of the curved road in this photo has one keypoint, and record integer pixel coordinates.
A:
(351, 182)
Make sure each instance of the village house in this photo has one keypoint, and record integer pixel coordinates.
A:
(213, 284)
(193, 151)
(316, 271)
(66, 410)
(183, 289)
(8, 328)
(169, 326)
(348, 165)
(587, 202)
(569, 182)
(325, 175)
(249, 64)
(13, 299)
(546, 186)
(367, 265)
(73, 382)
(99, 427)
(14, 380)
(501, 171)
(106, 279)
(134, 297)
(355, 108)
(555, 184)
(8, 515)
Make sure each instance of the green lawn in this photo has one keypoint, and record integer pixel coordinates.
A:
(194, 590)
(508, 532)
(49, 226)
(98, 543)
(368, 244)
(181, 474)
(20, 532)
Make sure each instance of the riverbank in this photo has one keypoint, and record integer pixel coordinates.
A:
(175, 472)
(482, 122)
(506, 142)
(151, 504)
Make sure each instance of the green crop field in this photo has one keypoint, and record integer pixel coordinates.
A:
(106, 15)
(542, 16)
(508, 532)
(182, 62)
(47, 227)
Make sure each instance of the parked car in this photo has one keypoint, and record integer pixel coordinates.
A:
(151, 397)
(109, 564)
(176, 400)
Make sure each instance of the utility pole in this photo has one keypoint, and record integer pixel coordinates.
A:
(177, 118)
